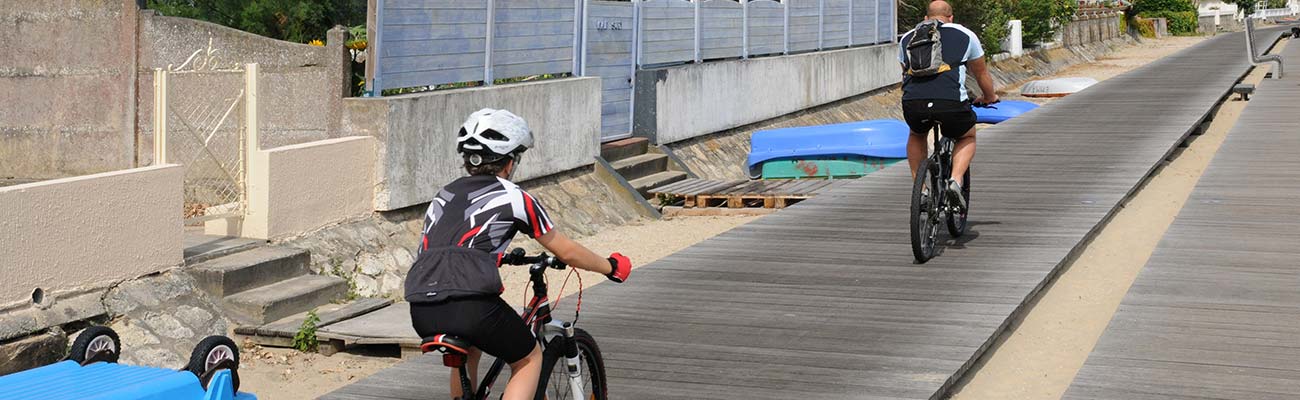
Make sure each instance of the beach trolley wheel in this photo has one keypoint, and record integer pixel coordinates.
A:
(95, 344)
(212, 354)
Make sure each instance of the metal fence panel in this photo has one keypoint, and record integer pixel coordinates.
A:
(667, 32)
(610, 56)
(428, 42)
(864, 22)
(532, 37)
(766, 27)
(836, 23)
(804, 24)
(721, 25)
(204, 131)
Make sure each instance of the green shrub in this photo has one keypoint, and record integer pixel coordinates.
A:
(305, 338)
(1180, 22)
(993, 25)
(1146, 6)
(1043, 18)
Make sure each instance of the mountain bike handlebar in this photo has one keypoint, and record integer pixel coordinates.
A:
(519, 257)
(985, 105)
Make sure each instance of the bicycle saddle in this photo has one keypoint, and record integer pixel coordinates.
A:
(444, 343)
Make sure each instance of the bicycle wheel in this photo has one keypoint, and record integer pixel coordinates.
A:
(957, 220)
(926, 198)
(555, 384)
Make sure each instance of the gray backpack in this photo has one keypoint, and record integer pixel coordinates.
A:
(925, 52)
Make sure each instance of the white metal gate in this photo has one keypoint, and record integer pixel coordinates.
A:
(198, 121)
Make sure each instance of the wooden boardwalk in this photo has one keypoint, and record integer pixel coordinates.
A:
(1216, 311)
(823, 301)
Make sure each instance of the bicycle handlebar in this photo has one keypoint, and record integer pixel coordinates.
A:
(985, 105)
(519, 257)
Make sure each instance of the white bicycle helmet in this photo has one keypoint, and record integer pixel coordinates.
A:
(490, 135)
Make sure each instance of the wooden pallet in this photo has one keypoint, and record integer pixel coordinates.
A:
(704, 193)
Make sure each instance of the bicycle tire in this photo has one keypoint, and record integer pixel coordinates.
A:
(923, 240)
(589, 354)
(957, 221)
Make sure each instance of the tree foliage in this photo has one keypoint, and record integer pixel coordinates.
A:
(1041, 19)
(292, 20)
(1149, 6)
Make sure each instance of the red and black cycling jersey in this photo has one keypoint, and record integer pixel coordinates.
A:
(467, 228)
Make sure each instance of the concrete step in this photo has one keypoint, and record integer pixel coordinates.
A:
(200, 247)
(624, 148)
(273, 302)
(641, 166)
(246, 270)
(644, 184)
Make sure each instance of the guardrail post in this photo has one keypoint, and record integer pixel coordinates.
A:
(375, 31)
(636, 62)
(785, 24)
(744, 29)
(850, 23)
(821, 24)
(159, 116)
(698, 57)
(491, 31)
(579, 38)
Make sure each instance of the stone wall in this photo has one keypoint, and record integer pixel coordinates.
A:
(1227, 23)
(66, 82)
(417, 133)
(376, 252)
(683, 102)
(1091, 28)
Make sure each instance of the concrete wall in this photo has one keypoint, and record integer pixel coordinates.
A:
(1091, 28)
(91, 230)
(66, 80)
(416, 133)
(683, 102)
(77, 80)
(311, 185)
(301, 86)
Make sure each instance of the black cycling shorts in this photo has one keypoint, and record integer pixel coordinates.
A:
(955, 117)
(487, 322)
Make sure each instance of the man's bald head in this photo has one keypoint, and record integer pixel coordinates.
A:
(940, 10)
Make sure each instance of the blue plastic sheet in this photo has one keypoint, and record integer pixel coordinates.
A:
(883, 138)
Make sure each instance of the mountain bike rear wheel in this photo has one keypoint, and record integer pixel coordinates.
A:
(957, 220)
(555, 383)
(926, 200)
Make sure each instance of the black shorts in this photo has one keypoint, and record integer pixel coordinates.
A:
(955, 118)
(487, 322)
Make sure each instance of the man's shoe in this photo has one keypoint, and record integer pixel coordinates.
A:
(954, 194)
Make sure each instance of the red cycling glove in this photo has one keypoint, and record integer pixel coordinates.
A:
(620, 267)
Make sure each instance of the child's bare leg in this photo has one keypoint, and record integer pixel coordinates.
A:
(524, 375)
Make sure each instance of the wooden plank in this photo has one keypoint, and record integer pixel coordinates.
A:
(823, 301)
(1216, 311)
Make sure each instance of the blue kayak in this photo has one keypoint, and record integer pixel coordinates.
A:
(881, 138)
(1002, 111)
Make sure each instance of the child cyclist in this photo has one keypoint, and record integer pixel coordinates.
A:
(454, 287)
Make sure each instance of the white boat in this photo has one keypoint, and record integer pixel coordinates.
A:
(1056, 87)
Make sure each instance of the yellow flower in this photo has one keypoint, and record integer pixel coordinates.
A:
(316, 42)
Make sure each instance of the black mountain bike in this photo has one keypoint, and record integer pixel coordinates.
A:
(930, 204)
(581, 369)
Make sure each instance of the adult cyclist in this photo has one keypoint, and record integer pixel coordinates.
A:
(454, 287)
(942, 97)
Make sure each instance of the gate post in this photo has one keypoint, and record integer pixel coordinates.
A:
(491, 31)
(821, 24)
(159, 116)
(698, 57)
(785, 24)
(744, 29)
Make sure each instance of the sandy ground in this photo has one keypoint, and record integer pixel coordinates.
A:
(1044, 351)
(276, 374)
